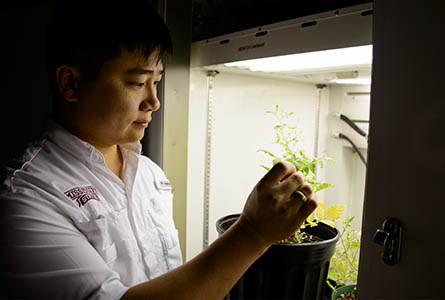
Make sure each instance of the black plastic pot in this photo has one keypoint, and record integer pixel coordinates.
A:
(287, 271)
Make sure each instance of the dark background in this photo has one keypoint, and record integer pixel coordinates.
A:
(25, 96)
(212, 18)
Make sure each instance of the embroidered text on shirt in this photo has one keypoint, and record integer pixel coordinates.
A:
(83, 194)
(163, 184)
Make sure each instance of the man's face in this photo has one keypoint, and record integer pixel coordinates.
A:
(117, 106)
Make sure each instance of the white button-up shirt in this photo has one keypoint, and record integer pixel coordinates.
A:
(72, 229)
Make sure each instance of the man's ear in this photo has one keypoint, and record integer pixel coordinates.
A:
(68, 78)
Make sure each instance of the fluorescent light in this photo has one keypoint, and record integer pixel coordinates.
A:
(353, 81)
(319, 60)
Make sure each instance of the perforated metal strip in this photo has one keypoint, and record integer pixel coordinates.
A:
(317, 120)
(210, 76)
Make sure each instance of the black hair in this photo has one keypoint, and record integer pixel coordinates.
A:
(86, 34)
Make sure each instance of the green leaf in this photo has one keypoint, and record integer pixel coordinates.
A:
(323, 186)
(263, 166)
(300, 165)
(312, 167)
(268, 152)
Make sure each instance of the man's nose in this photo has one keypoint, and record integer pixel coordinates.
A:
(151, 102)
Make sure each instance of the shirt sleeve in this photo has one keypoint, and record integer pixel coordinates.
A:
(44, 256)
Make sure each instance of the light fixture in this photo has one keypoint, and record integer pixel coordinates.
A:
(364, 80)
(310, 61)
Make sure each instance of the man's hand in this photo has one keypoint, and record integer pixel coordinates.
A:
(272, 212)
(274, 209)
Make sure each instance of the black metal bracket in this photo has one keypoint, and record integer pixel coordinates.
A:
(390, 238)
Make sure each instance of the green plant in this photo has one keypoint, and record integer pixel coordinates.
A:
(343, 269)
(288, 137)
(344, 263)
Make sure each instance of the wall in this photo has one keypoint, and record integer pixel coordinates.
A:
(347, 173)
(240, 128)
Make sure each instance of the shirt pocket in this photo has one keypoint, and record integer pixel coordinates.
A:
(171, 248)
(110, 234)
(152, 254)
(123, 258)
(164, 189)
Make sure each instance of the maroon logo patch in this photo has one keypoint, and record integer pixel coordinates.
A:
(83, 194)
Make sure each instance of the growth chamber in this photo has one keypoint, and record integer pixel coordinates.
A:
(319, 68)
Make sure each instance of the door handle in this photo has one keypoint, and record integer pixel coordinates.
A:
(390, 238)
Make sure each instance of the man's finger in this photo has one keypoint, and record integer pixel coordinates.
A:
(305, 190)
(279, 172)
(293, 183)
(309, 206)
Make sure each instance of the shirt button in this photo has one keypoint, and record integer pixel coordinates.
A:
(96, 157)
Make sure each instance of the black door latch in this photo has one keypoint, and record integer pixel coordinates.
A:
(390, 238)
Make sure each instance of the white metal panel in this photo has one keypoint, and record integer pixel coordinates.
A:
(406, 151)
(175, 112)
(341, 28)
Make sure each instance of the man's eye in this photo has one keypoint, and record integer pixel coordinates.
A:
(136, 84)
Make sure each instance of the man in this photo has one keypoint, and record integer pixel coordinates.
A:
(84, 215)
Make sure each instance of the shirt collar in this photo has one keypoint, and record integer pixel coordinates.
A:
(135, 147)
(78, 148)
